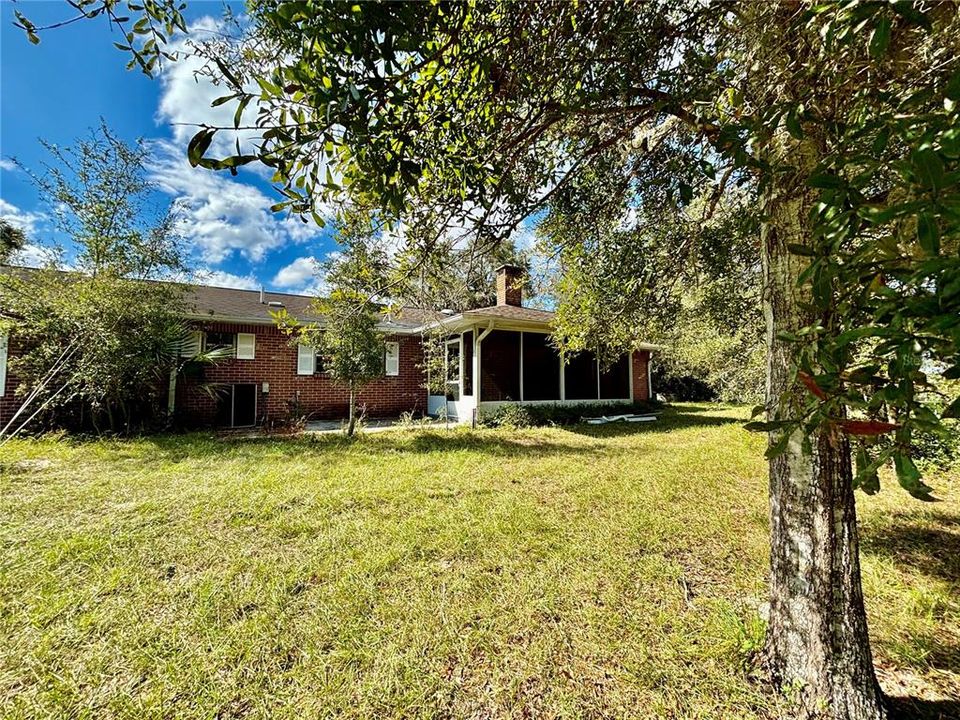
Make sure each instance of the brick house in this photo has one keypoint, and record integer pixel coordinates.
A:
(493, 355)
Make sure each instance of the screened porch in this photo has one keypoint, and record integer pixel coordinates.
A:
(486, 367)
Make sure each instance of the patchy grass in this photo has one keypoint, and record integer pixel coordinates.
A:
(609, 571)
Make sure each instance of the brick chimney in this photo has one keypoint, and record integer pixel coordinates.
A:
(510, 285)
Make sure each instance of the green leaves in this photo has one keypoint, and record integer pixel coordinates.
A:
(803, 250)
(909, 477)
(157, 21)
(929, 168)
(198, 145)
(928, 233)
(792, 123)
(880, 37)
(826, 181)
(866, 477)
(952, 410)
(28, 27)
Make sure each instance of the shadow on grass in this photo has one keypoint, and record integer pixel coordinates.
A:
(672, 418)
(418, 441)
(930, 548)
(907, 708)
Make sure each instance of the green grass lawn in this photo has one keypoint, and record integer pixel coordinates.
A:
(593, 572)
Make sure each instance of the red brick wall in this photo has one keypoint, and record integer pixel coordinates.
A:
(641, 387)
(10, 401)
(276, 364)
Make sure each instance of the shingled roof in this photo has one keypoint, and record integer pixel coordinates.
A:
(219, 303)
(512, 312)
(229, 304)
(206, 302)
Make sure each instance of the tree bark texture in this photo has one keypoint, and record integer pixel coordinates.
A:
(818, 647)
(352, 421)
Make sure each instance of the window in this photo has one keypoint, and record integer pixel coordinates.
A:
(391, 360)
(306, 360)
(220, 340)
(580, 377)
(468, 363)
(192, 344)
(541, 368)
(3, 365)
(615, 380)
(246, 346)
(500, 366)
(453, 369)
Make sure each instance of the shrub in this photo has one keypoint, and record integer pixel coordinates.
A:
(511, 416)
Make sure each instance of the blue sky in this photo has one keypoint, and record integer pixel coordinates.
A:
(60, 89)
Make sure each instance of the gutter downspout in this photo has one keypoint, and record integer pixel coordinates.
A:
(486, 332)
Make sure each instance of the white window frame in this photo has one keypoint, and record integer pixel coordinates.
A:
(387, 357)
(239, 341)
(308, 354)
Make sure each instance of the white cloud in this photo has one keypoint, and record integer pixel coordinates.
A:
(7, 164)
(23, 219)
(32, 255)
(297, 273)
(219, 278)
(186, 97)
(222, 216)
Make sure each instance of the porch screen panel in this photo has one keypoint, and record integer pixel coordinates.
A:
(580, 377)
(615, 380)
(468, 363)
(500, 366)
(541, 368)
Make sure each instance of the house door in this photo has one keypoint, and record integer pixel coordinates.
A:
(237, 406)
(244, 405)
(454, 376)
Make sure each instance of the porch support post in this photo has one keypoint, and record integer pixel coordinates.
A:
(478, 338)
(649, 376)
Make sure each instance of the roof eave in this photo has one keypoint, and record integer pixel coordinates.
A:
(390, 328)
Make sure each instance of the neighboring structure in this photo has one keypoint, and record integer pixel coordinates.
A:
(494, 355)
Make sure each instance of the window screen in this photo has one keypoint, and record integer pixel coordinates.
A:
(468, 363)
(541, 368)
(615, 380)
(219, 340)
(580, 377)
(500, 366)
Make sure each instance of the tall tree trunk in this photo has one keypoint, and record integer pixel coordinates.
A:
(817, 644)
(352, 422)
